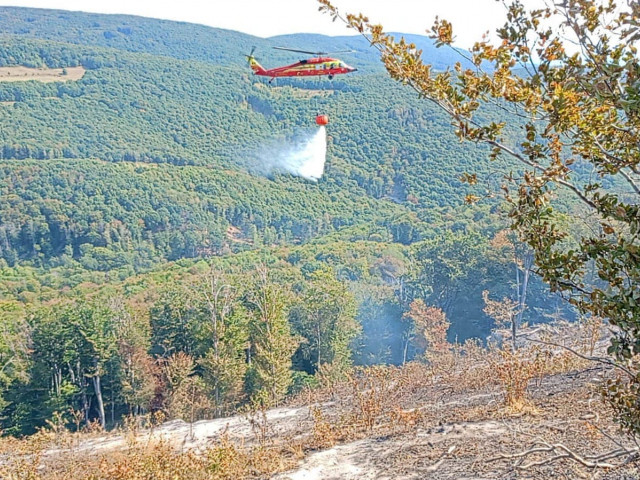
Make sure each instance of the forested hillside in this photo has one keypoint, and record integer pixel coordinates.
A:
(142, 239)
(135, 214)
(142, 108)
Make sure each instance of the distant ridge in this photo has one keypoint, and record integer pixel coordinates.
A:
(189, 41)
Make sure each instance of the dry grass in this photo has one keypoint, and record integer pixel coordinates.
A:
(158, 459)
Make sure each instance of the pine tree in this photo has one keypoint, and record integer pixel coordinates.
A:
(272, 343)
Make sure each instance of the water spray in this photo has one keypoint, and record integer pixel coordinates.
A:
(312, 157)
(303, 154)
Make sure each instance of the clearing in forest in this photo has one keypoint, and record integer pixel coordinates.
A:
(24, 74)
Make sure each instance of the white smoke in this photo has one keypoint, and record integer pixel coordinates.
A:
(303, 156)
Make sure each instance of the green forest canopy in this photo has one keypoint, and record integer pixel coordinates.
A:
(119, 191)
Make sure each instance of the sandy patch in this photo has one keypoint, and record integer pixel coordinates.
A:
(198, 435)
(344, 462)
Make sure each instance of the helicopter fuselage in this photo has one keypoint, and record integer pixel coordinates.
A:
(304, 68)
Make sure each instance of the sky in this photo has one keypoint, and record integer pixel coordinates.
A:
(264, 18)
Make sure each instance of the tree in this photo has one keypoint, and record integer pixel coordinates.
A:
(226, 331)
(139, 371)
(505, 313)
(55, 381)
(73, 349)
(567, 74)
(522, 257)
(325, 316)
(14, 348)
(272, 343)
(95, 333)
(429, 332)
(187, 397)
(174, 323)
(448, 267)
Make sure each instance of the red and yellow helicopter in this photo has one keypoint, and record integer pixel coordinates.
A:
(315, 66)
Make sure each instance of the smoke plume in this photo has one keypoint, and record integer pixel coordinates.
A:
(303, 156)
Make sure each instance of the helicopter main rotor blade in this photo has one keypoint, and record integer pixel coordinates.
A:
(300, 51)
(313, 53)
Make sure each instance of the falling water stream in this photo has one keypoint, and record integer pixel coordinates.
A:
(308, 162)
(303, 156)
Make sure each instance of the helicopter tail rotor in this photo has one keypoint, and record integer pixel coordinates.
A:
(253, 63)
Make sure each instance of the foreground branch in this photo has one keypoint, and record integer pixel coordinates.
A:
(560, 451)
(602, 360)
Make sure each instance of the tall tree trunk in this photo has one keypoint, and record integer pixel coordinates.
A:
(526, 266)
(85, 405)
(98, 391)
(518, 289)
(404, 350)
(82, 383)
(318, 333)
(113, 404)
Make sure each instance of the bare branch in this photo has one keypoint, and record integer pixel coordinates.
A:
(602, 360)
(560, 451)
(630, 180)
(537, 166)
(443, 457)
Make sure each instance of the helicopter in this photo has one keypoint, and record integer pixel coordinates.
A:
(315, 66)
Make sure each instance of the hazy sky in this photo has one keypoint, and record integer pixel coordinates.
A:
(471, 18)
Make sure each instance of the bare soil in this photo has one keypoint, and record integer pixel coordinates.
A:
(463, 437)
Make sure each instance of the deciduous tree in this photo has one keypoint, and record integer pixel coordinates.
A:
(504, 312)
(226, 333)
(325, 315)
(430, 327)
(14, 347)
